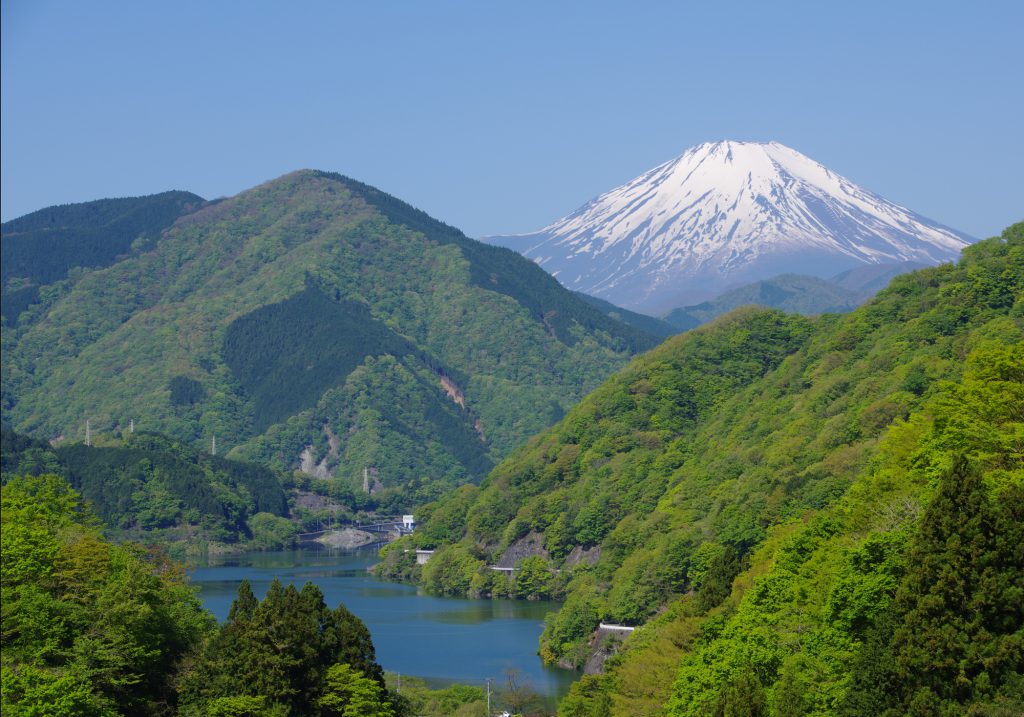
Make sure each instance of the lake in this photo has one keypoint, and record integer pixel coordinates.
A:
(441, 639)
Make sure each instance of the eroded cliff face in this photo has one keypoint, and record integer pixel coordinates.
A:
(528, 546)
(323, 468)
(603, 644)
(454, 392)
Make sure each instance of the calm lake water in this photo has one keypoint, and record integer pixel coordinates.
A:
(441, 639)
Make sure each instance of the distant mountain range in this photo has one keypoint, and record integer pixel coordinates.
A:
(794, 293)
(312, 323)
(724, 214)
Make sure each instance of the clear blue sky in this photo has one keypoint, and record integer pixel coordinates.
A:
(501, 117)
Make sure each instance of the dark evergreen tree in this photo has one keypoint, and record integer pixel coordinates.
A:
(873, 686)
(960, 638)
(743, 696)
(280, 649)
(955, 636)
(717, 583)
(244, 605)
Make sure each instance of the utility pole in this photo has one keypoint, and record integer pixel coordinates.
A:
(131, 425)
(488, 681)
(88, 434)
(366, 480)
(213, 445)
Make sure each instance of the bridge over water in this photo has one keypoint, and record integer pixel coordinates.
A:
(382, 526)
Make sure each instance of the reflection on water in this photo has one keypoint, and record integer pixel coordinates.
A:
(442, 639)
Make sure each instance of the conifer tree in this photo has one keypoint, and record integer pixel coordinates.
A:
(280, 650)
(961, 636)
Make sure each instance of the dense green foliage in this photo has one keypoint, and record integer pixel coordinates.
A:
(749, 492)
(503, 270)
(185, 391)
(42, 247)
(88, 628)
(952, 633)
(315, 323)
(454, 701)
(879, 605)
(287, 355)
(16, 301)
(92, 628)
(150, 484)
(291, 653)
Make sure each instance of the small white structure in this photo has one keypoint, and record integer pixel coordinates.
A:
(507, 571)
(617, 628)
(408, 523)
(422, 556)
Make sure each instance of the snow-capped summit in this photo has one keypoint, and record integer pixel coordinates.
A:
(725, 213)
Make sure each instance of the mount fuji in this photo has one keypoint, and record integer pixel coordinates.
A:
(724, 214)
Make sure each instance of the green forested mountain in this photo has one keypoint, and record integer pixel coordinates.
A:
(43, 247)
(149, 485)
(801, 515)
(315, 322)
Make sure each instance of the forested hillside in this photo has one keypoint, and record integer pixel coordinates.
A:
(316, 323)
(152, 488)
(802, 515)
(43, 247)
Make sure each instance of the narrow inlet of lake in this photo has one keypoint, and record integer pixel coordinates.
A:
(441, 639)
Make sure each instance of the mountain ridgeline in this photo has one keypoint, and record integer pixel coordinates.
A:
(43, 247)
(498, 269)
(794, 293)
(310, 323)
(777, 503)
